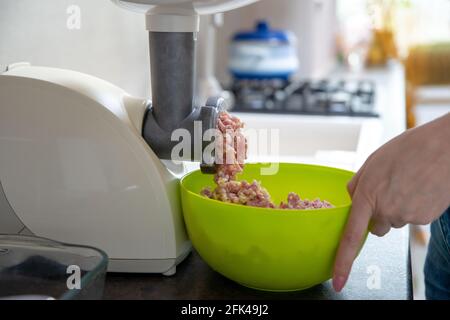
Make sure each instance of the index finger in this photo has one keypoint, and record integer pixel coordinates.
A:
(353, 236)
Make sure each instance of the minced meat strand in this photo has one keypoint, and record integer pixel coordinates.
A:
(231, 153)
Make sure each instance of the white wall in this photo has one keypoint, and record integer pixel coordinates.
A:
(112, 43)
(313, 22)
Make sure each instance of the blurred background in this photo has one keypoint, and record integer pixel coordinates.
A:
(275, 56)
(352, 33)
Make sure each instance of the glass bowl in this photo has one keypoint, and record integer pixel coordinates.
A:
(33, 268)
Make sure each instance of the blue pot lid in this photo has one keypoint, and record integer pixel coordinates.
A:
(263, 33)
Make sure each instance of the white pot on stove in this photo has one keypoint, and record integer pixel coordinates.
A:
(263, 53)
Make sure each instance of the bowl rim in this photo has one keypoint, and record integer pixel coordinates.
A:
(270, 210)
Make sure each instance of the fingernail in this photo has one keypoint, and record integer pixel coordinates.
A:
(339, 283)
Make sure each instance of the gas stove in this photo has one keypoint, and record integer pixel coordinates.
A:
(354, 98)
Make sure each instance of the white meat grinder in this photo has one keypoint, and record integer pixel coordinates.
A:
(81, 161)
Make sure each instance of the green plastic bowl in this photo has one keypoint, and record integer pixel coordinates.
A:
(268, 249)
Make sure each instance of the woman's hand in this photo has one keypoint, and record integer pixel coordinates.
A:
(407, 181)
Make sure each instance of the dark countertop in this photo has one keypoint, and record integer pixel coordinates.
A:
(386, 257)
